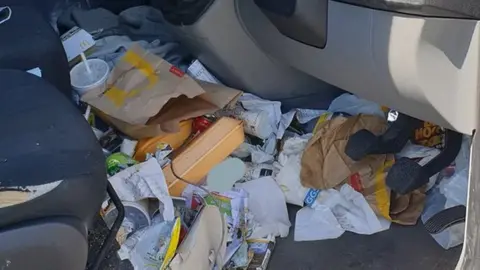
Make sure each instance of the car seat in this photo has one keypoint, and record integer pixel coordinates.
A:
(52, 178)
(29, 42)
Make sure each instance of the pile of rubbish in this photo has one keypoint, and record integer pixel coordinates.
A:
(205, 172)
(168, 138)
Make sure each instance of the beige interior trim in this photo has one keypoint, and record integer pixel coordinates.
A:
(425, 67)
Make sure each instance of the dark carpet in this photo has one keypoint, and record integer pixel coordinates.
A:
(399, 248)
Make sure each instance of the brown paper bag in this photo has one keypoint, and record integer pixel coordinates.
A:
(372, 185)
(139, 86)
(215, 98)
(324, 162)
(406, 209)
(147, 97)
(325, 165)
(176, 110)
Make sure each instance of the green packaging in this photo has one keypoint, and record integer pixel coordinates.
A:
(118, 162)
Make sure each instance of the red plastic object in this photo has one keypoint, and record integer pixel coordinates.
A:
(200, 124)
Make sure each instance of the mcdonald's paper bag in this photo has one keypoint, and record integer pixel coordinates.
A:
(325, 164)
(145, 96)
(139, 86)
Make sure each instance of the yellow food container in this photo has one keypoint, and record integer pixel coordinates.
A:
(196, 159)
(175, 140)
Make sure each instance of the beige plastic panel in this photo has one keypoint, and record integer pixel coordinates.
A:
(219, 41)
(470, 256)
(425, 67)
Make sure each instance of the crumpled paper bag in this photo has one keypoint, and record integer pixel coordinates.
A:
(145, 96)
(324, 162)
(325, 165)
(139, 86)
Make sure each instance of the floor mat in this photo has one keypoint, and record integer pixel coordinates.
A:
(398, 248)
(96, 236)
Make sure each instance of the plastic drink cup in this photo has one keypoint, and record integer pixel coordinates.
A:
(83, 81)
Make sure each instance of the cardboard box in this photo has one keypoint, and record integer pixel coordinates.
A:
(195, 160)
(76, 41)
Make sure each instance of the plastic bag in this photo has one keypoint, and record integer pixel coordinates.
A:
(317, 223)
(336, 212)
(450, 192)
(455, 188)
(353, 105)
(288, 176)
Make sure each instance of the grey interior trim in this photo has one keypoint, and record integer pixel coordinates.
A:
(218, 39)
(307, 24)
(470, 257)
(424, 67)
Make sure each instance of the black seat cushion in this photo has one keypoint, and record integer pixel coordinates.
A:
(28, 41)
(43, 139)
